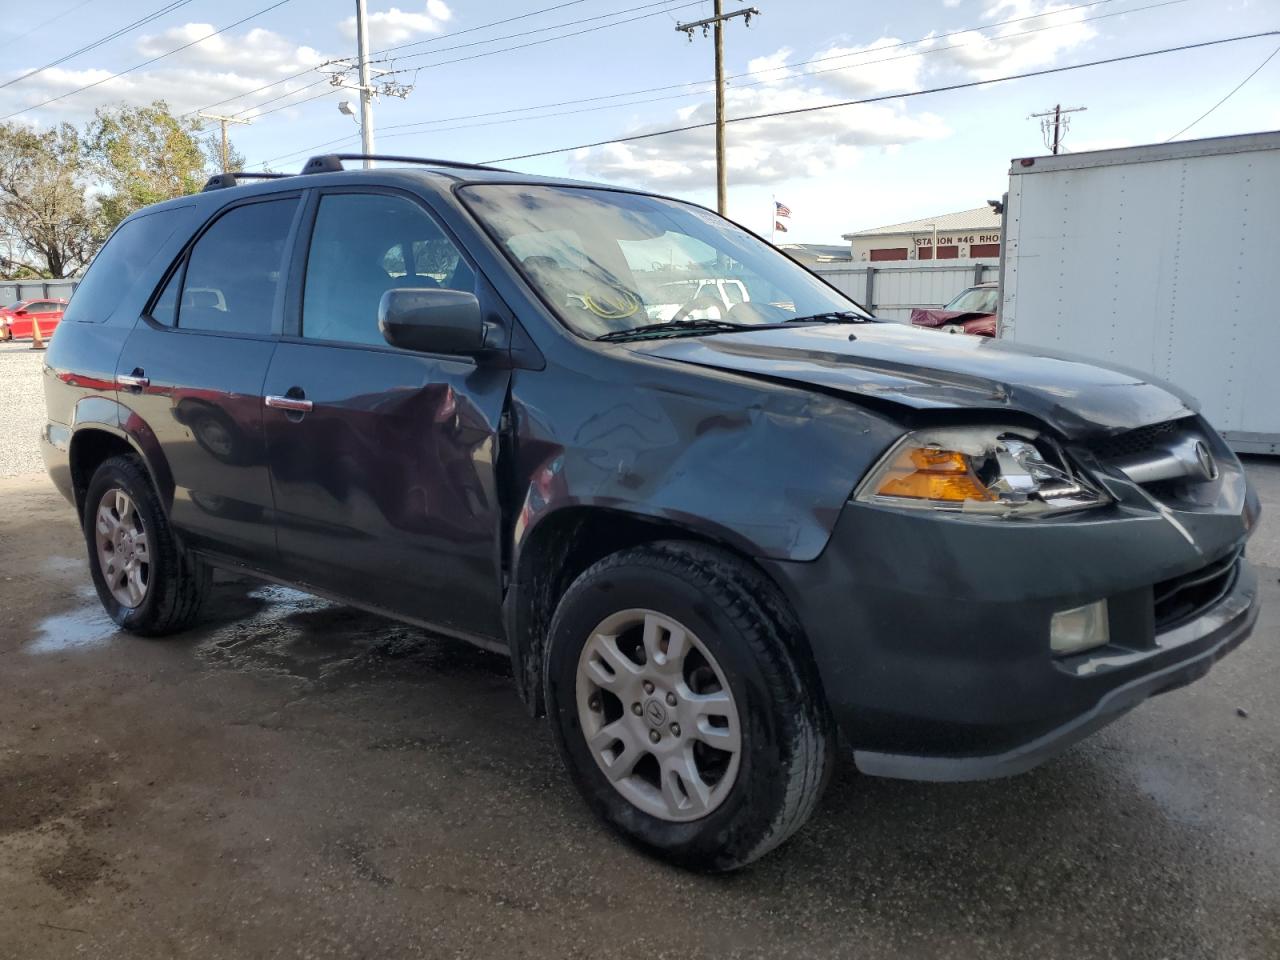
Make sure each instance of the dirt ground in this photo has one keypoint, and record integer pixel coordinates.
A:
(297, 779)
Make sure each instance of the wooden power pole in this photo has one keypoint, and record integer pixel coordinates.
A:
(1054, 123)
(226, 147)
(717, 23)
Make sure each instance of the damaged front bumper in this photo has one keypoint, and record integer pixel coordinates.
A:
(932, 633)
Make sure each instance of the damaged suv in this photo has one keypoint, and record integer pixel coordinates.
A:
(706, 541)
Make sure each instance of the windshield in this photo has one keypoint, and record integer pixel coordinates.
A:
(976, 300)
(608, 261)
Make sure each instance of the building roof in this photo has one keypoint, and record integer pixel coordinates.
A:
(979, 218)
(832, 251)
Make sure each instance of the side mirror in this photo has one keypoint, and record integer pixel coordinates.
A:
(22, 312)
(431, 320)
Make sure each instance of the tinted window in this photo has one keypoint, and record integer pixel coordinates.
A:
(120, 262)
(364, 245)
(165, 309)
(234, 270)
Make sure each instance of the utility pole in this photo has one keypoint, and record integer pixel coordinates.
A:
(366, 91)
(1054, 123)
(717, 22)
(226, 149)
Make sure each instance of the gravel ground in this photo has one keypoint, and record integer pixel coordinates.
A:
(22, 400)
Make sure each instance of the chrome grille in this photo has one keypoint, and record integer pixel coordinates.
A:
(1139, 441)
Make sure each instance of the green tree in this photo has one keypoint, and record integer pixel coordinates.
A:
(49, 221)
(142, 155)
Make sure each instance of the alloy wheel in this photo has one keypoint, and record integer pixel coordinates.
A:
(658, 715)
(124, 550)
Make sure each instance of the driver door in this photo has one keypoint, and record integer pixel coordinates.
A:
(383, 460)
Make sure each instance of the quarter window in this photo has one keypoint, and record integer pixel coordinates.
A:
(120, 262)
(234, 271)
(364, 245)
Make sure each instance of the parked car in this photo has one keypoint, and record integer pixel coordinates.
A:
(706, 545)
(701, 299)
(16, 320)
(973, 311)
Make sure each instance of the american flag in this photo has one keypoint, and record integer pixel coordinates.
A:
(781, 209)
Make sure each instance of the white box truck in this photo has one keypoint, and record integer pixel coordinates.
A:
(1163, 258)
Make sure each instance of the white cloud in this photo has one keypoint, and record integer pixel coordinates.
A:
(213, 69)
(258, 51)
(883, 66)
(760, 151)
(184, 90)
(813, 144)
(396, 25)
(1014, 46)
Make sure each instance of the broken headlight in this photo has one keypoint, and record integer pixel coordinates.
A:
(1000, 472)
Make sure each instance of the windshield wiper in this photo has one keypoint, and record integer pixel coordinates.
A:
(833, 316)
(693, 326)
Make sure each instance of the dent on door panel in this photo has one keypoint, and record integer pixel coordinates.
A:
(386, 489)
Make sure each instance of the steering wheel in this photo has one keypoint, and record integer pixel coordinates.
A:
(699, 303)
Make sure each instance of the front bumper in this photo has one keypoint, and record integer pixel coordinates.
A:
(931, 633)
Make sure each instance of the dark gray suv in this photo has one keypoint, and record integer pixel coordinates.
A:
(708, 534)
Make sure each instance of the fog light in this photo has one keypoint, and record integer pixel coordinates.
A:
(1079, 628)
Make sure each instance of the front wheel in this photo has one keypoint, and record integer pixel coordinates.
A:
(684, 705)
(146, 581)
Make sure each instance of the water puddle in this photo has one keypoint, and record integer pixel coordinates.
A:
(75, 630)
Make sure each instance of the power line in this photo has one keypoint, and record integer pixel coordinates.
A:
(666, 9)
(54, 19)
(455, 33)
(535, 43)
(528, 33)
(119, 32)
(810, 73)
(802, 63)
(740, 86)
(487, 53)
(889, 96)
(145, 63)
(1233, 92)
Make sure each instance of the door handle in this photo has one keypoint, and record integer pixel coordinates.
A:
(293, 404)
(135, 380)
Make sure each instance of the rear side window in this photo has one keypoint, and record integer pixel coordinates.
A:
(233, 272)
(120, 263)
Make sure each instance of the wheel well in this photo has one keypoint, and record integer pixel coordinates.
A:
(89, 448)
(559, 549)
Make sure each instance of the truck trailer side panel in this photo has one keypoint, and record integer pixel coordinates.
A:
(1160, 258)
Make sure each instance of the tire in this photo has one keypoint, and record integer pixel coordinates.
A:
(171, 585)
(740, 629)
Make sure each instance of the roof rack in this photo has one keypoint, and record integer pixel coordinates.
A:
(233, 178)
(332, 162)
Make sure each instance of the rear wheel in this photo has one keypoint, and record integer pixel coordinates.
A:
(684, 705)
(147, 583)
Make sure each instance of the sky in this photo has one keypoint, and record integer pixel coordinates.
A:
(562, 74)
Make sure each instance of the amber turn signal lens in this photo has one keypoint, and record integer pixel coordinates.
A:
(927, 473)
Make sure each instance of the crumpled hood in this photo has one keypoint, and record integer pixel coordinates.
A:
(922, 370)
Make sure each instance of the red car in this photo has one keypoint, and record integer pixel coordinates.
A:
(973, 311)
(17, 318)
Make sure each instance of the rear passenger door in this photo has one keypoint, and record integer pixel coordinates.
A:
(383, 460)
(192, 373)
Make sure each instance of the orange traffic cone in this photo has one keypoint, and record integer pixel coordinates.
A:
(37, 341)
